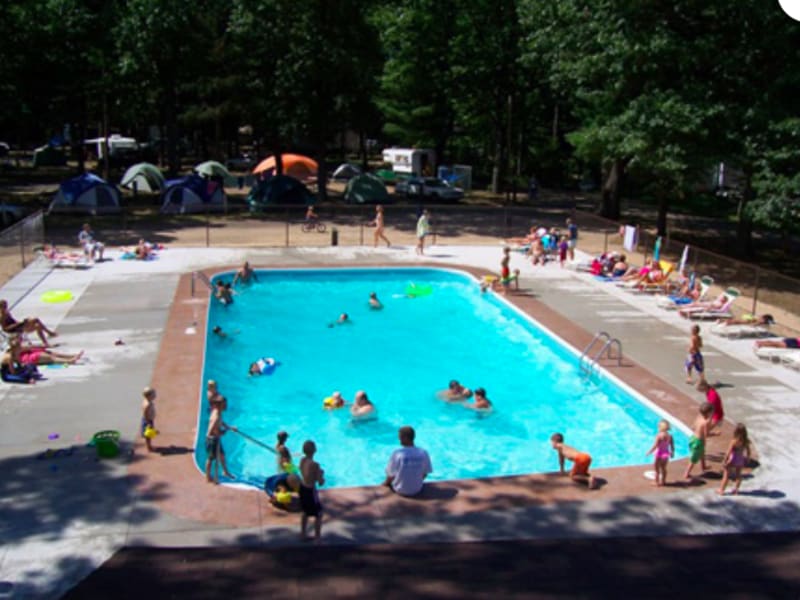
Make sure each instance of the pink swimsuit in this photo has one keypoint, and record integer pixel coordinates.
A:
(663, 451)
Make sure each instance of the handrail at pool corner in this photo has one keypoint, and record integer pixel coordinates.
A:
(202, 277)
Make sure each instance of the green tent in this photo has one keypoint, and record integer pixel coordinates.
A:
(145, 176)
(280, 189)
(47, 156)
(366, 189)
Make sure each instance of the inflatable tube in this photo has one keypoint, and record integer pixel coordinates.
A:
(150, 433)
(416, 291)
(272, 483)
(56, 296)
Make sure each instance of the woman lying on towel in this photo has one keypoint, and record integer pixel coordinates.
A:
(717, 303)
(27, 354)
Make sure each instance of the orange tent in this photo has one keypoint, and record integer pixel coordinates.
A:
(295, 165)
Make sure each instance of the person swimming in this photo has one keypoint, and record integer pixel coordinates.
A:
(263, 366)
(343, 318)
(455, 392)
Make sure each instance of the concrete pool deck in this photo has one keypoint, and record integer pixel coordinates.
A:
(62, 516)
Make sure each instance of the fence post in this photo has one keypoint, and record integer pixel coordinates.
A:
(755, 291)
(194, 276)
(22, 244)
(208, 229)
(605, 242)
(287, 228)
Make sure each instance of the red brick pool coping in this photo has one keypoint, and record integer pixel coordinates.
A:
(170, 479)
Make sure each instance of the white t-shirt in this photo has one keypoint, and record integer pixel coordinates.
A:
(408, 467)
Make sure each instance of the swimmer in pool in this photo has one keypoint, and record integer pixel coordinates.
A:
(455, 392)
(480, 401)
(334, 401)
(362, 407)
(343, 318)
(374, 303)
(263, 366)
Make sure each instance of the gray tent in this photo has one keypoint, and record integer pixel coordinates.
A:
(145, 177)
(345, 172)
(366, 189)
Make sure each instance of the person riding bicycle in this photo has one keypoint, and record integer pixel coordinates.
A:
(311, 216)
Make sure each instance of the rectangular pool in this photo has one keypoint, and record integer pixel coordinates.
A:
(401, 356)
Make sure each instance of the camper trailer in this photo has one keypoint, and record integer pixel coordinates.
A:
(411, 161)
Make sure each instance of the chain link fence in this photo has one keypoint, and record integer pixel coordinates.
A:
(763, 291)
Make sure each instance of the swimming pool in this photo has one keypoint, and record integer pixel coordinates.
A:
(401, 356)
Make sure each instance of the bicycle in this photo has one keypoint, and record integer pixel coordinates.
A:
(308, 226)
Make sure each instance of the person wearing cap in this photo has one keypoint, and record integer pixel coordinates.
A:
(333, 401)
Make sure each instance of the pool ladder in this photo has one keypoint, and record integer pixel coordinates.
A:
(203, 278)
(587, 362)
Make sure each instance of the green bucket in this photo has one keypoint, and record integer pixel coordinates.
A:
(106, 443)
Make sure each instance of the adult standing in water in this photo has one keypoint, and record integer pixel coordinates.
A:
(245, 275)
(379, 226)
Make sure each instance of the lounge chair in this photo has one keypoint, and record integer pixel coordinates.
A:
(791, 360)
(778, 355)
(741, 330)
(66, 260)
(713, 310)
(674, 302)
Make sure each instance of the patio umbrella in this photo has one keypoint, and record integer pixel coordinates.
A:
(212, 168)
(657, 249)
(296, 165)
(684, 259)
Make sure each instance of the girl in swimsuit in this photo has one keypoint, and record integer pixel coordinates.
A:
(735, 459)
(378, 222)
(664, 449)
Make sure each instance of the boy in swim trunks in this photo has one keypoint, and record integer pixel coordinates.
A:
(148, 414)
(311, 475)
(694, 358)
(697, 442)
(581, 461)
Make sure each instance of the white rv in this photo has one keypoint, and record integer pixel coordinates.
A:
(413, 161)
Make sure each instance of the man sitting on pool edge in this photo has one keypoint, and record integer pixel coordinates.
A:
(408, 466)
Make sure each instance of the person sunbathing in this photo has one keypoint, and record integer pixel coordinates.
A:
(763, 320)
(792, 343)
(717, 303)
(620, 266)
(652, 276)
(636, 274)
(28, 325)
(27, 354)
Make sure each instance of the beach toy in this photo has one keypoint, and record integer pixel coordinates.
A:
(106, 443)
(56, 296)
(150, 433)
(53, 436)
(415, 291)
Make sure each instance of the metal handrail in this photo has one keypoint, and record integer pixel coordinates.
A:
(587, 366)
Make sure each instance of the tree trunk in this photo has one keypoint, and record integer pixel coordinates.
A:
(171, 118)
(610, 205)
(362, 150)
(661, 216)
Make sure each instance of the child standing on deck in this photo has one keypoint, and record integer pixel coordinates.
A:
(664, 447)
(311, 475)
(563, 246)
(714, 399)
(697, 442)
(148, 417)
(694, 358)
(735, 459)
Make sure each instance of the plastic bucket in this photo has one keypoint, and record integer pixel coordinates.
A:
(106, 443)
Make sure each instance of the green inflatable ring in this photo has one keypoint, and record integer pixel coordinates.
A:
(415, 291)
(56, 296)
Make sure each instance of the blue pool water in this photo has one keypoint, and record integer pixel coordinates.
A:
(401, 356)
